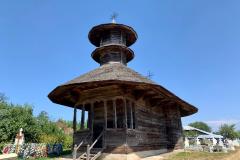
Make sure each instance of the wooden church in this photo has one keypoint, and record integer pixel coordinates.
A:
(128, 116)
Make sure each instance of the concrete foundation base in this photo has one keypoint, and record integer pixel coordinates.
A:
(131, 156)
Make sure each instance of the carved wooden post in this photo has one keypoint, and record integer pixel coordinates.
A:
(105, 113)
(115, 113)
(74, 119)
(91, 119)
(131, 112)
(125, 111)
(75, 152)
(88, 152)
(83, 117)
(88, 120)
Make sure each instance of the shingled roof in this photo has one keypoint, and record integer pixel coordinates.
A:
(111, 71)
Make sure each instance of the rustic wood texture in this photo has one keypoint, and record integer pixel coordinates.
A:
(74, 119)
(82, 118)
(134, 113)
(139, 127)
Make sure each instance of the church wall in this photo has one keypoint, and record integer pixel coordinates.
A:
(150, 130)
(173, 127)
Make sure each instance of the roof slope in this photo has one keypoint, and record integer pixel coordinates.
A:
(111, 71)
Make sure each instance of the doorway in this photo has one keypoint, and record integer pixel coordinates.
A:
(98, 123)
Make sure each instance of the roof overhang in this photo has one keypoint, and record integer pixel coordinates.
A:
(67, 95)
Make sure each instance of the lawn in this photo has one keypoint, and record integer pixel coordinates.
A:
(205, 156)
(197, 155)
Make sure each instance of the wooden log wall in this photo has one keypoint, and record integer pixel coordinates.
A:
(98, 115)
(151, 128)
(141, 127)
(173, 127)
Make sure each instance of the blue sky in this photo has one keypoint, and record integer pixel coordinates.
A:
(191, 47)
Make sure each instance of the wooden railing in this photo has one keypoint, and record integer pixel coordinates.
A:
(76, 147)
(90, 147)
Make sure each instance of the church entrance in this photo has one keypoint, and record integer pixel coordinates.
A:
(98, 123)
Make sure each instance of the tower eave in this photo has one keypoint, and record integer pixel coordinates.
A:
(98, 51)
(96, 32)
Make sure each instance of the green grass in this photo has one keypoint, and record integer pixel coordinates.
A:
(198, 156)
(194, 155)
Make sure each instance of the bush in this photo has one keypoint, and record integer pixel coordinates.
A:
(68, 141)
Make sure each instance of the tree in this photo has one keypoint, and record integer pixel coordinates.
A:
(238, 134)
(228, 131)
(14, 117)
(36, 129)
(201, 125)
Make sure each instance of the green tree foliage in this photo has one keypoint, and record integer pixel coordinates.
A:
(49, 131)
(14, 117)
(201, 125)
(238, 134)
(38, 129)
(190, 133)
(228, 131)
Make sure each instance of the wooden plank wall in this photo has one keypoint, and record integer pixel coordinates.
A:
(173, 127)
(151, 129)
(157, 127)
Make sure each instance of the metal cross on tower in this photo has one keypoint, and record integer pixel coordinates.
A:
(149, 75)
(113, 17)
